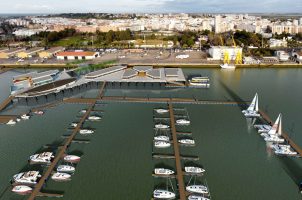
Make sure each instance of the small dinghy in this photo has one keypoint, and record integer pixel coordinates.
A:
(39, 112)
(22, 189)
(163, 194)
(65, 169)
(72, 158)
(58, 176)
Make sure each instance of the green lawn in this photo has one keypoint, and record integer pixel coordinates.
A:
(70, 41)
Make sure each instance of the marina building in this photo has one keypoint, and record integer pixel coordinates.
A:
(9, 53)
(52, 52)
(30, 52)
(77, 55)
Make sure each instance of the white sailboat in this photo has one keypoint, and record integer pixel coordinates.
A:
(194, 170)
(186, 141)
(162, 126)
(58, 176)
(94, 118)
(163, 171)
(161, 111)
(199, 189)
(72, 158)
(162, 144)
(253, 109)
(197, 197)
(274, 135)
(22, 189)
(11, 122)
(65, 169)
(162, 138)
(182, 122)
(86, 131)
(163, 194)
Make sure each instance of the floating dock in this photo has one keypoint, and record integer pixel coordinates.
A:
(36, 191)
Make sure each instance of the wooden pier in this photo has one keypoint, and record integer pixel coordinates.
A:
(5, 118)
(180, 179)
(36, 191)
(284, 134)
(6, 102)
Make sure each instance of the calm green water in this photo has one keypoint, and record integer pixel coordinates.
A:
(117, 164)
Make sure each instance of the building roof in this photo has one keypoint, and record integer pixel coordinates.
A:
(76, 53)
(171, 72)
(43, 79)
(129, 73)
(54, 50)
(105, 71)
(142, 68)
(154, 73)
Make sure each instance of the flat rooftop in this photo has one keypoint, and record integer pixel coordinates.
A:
(104, 72)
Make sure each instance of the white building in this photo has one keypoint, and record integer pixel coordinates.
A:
(282, 55)
(217, 24)
(277, 43)
(77, 55)
(219, 52)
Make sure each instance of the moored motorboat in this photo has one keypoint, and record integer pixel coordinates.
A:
(182, 122)
(29, 178)
(194, 170)
(86, 131)
(162, 126)
(163, 171)
(72, 158)
(83, 111)
(73, 124)
(44, 157)
(11, 122)
(65, 169)
(200, 189)
(252, 110)
(186, 141)
(22, 189)
(39, 112)
(283, 150)
(162, 138)
(197, 197)
(58, 176)
(25, 117)
(161, 111)
(94, 118)
(162, 144)
(163, 194)
(263, 128)
(227, 66)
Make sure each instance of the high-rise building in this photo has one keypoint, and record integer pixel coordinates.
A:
(217, 24)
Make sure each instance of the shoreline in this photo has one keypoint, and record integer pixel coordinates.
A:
(181, 65)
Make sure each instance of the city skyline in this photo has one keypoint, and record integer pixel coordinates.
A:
(149, 6)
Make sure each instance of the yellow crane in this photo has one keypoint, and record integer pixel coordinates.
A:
(238, 58)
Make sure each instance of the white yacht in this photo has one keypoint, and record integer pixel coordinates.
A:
(65, 169)
(25, 117)
(263, 128)
(161, 111)
(44, 157)
(39, 112)
(72, 158)
(187, 141)
(194, 170)
(86, 131)
(283, 150)
(162, 126)
(183, 122)
(22, 189)
(162, 144)
(163, 194)
(197, 197)
(227, 66)
(199, 81)
(200, 189)
(94, 118)
(58, 176)
(163, 171)
(274, 135)
(162, 138)
(83, 111)
(11, 122)
(253, 109)
(29, 177)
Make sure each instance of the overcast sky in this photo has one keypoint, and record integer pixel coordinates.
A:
(129, 6)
